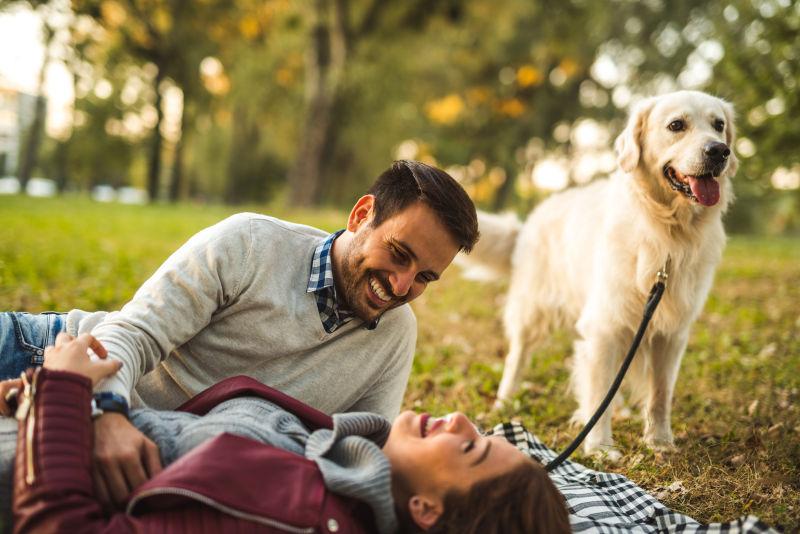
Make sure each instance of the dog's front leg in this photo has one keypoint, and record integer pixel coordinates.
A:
(597, 359)
(665, 361)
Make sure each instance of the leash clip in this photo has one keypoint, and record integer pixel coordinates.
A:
(663, 274)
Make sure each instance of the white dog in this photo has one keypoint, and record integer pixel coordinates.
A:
(588, 257)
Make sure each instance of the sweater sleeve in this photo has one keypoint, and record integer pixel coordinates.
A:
(177, 302)
(386, 396)
(53, 489)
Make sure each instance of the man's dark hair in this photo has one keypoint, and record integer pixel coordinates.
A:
(522, 501)
(407, 182)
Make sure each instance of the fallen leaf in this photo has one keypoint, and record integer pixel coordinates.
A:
(768, 351)
(677, 487)
(752, 408)
(774, 429)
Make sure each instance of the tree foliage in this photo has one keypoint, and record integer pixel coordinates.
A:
(314, 98)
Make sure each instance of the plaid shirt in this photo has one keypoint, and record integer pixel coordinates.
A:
(320, 282)
(609, 503)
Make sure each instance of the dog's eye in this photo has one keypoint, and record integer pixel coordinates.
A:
(719, 125)
(677, 126)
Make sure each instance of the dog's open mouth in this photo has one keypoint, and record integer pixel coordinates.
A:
(703, 189)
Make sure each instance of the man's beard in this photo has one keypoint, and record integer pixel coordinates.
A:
(353, 282)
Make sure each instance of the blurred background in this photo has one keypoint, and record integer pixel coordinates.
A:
(303, 103)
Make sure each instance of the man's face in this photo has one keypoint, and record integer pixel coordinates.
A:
(379, 268)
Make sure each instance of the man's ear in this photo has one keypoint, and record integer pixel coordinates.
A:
(425, 511)
(361, 213)
(628, 144)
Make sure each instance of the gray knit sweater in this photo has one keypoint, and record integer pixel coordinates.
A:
(232, 301)
(349, 456)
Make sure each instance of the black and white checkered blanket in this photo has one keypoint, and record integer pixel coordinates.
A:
(609, 503)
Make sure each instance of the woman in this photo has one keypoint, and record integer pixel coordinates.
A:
(417, 474)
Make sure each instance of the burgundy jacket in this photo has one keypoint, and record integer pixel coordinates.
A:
(227, 484)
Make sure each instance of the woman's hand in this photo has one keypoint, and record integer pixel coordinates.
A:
(5, 388)
(70, 354)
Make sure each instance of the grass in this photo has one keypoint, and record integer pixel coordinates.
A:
(736, 408)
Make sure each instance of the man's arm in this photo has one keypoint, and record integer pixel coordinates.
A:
(176, 303)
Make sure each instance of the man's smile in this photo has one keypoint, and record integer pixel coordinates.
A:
(377, 292)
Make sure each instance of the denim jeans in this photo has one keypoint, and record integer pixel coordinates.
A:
(23, 337)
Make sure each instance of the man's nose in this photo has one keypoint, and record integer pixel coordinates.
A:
(401, 282)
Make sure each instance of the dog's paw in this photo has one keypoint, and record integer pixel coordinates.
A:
(622, 413)
(661, 443)
(606, 453)
(578, 419)
(499, 404)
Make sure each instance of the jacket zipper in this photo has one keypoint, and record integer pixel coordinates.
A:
(27, 409)
(219, 506)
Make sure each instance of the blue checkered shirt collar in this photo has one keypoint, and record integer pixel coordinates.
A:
(321, 283)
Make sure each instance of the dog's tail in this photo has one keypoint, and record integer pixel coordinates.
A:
(491, 256)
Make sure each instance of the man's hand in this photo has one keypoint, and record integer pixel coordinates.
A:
(123, 458)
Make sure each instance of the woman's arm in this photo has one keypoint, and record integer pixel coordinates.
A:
(53, 489)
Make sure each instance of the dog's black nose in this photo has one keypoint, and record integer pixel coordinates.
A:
(716, 152)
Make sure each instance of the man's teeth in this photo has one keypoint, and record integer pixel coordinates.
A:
(376, 287)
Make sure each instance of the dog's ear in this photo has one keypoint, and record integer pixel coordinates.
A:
(628, 144)
(730, 136)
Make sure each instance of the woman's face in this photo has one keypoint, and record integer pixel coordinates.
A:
(435, 455)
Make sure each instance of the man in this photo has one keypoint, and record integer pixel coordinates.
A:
(322, 318)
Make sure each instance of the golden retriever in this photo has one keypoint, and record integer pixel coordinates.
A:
(587, 258)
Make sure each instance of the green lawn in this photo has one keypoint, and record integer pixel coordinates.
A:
(736, 414)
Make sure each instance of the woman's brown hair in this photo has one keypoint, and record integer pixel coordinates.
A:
(522, 501)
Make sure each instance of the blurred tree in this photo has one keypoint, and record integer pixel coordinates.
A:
(759, 71)
(524, 68)
(170, 35)
(32, 138)
(339, 31)
(331, 89)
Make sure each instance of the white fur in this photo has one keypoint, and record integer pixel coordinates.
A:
(588, 257)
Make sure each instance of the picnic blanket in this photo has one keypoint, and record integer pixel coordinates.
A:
(609, 503)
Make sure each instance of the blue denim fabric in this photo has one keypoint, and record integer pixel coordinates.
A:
(23, 337)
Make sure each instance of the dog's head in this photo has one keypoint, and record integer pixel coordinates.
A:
(682, 144)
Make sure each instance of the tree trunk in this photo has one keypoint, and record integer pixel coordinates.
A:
(154, 165)
(324, 74)
(33, 137)
(504, 191)
(176, 178)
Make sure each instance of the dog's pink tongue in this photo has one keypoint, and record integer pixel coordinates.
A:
(705, 189)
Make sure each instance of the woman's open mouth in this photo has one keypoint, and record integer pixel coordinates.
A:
(428, 423)
(703, 188)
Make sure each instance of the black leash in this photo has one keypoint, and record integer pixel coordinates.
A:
(649, 310)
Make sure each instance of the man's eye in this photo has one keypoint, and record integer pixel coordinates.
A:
(677, 125)
(469, 445)
(399, 257)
